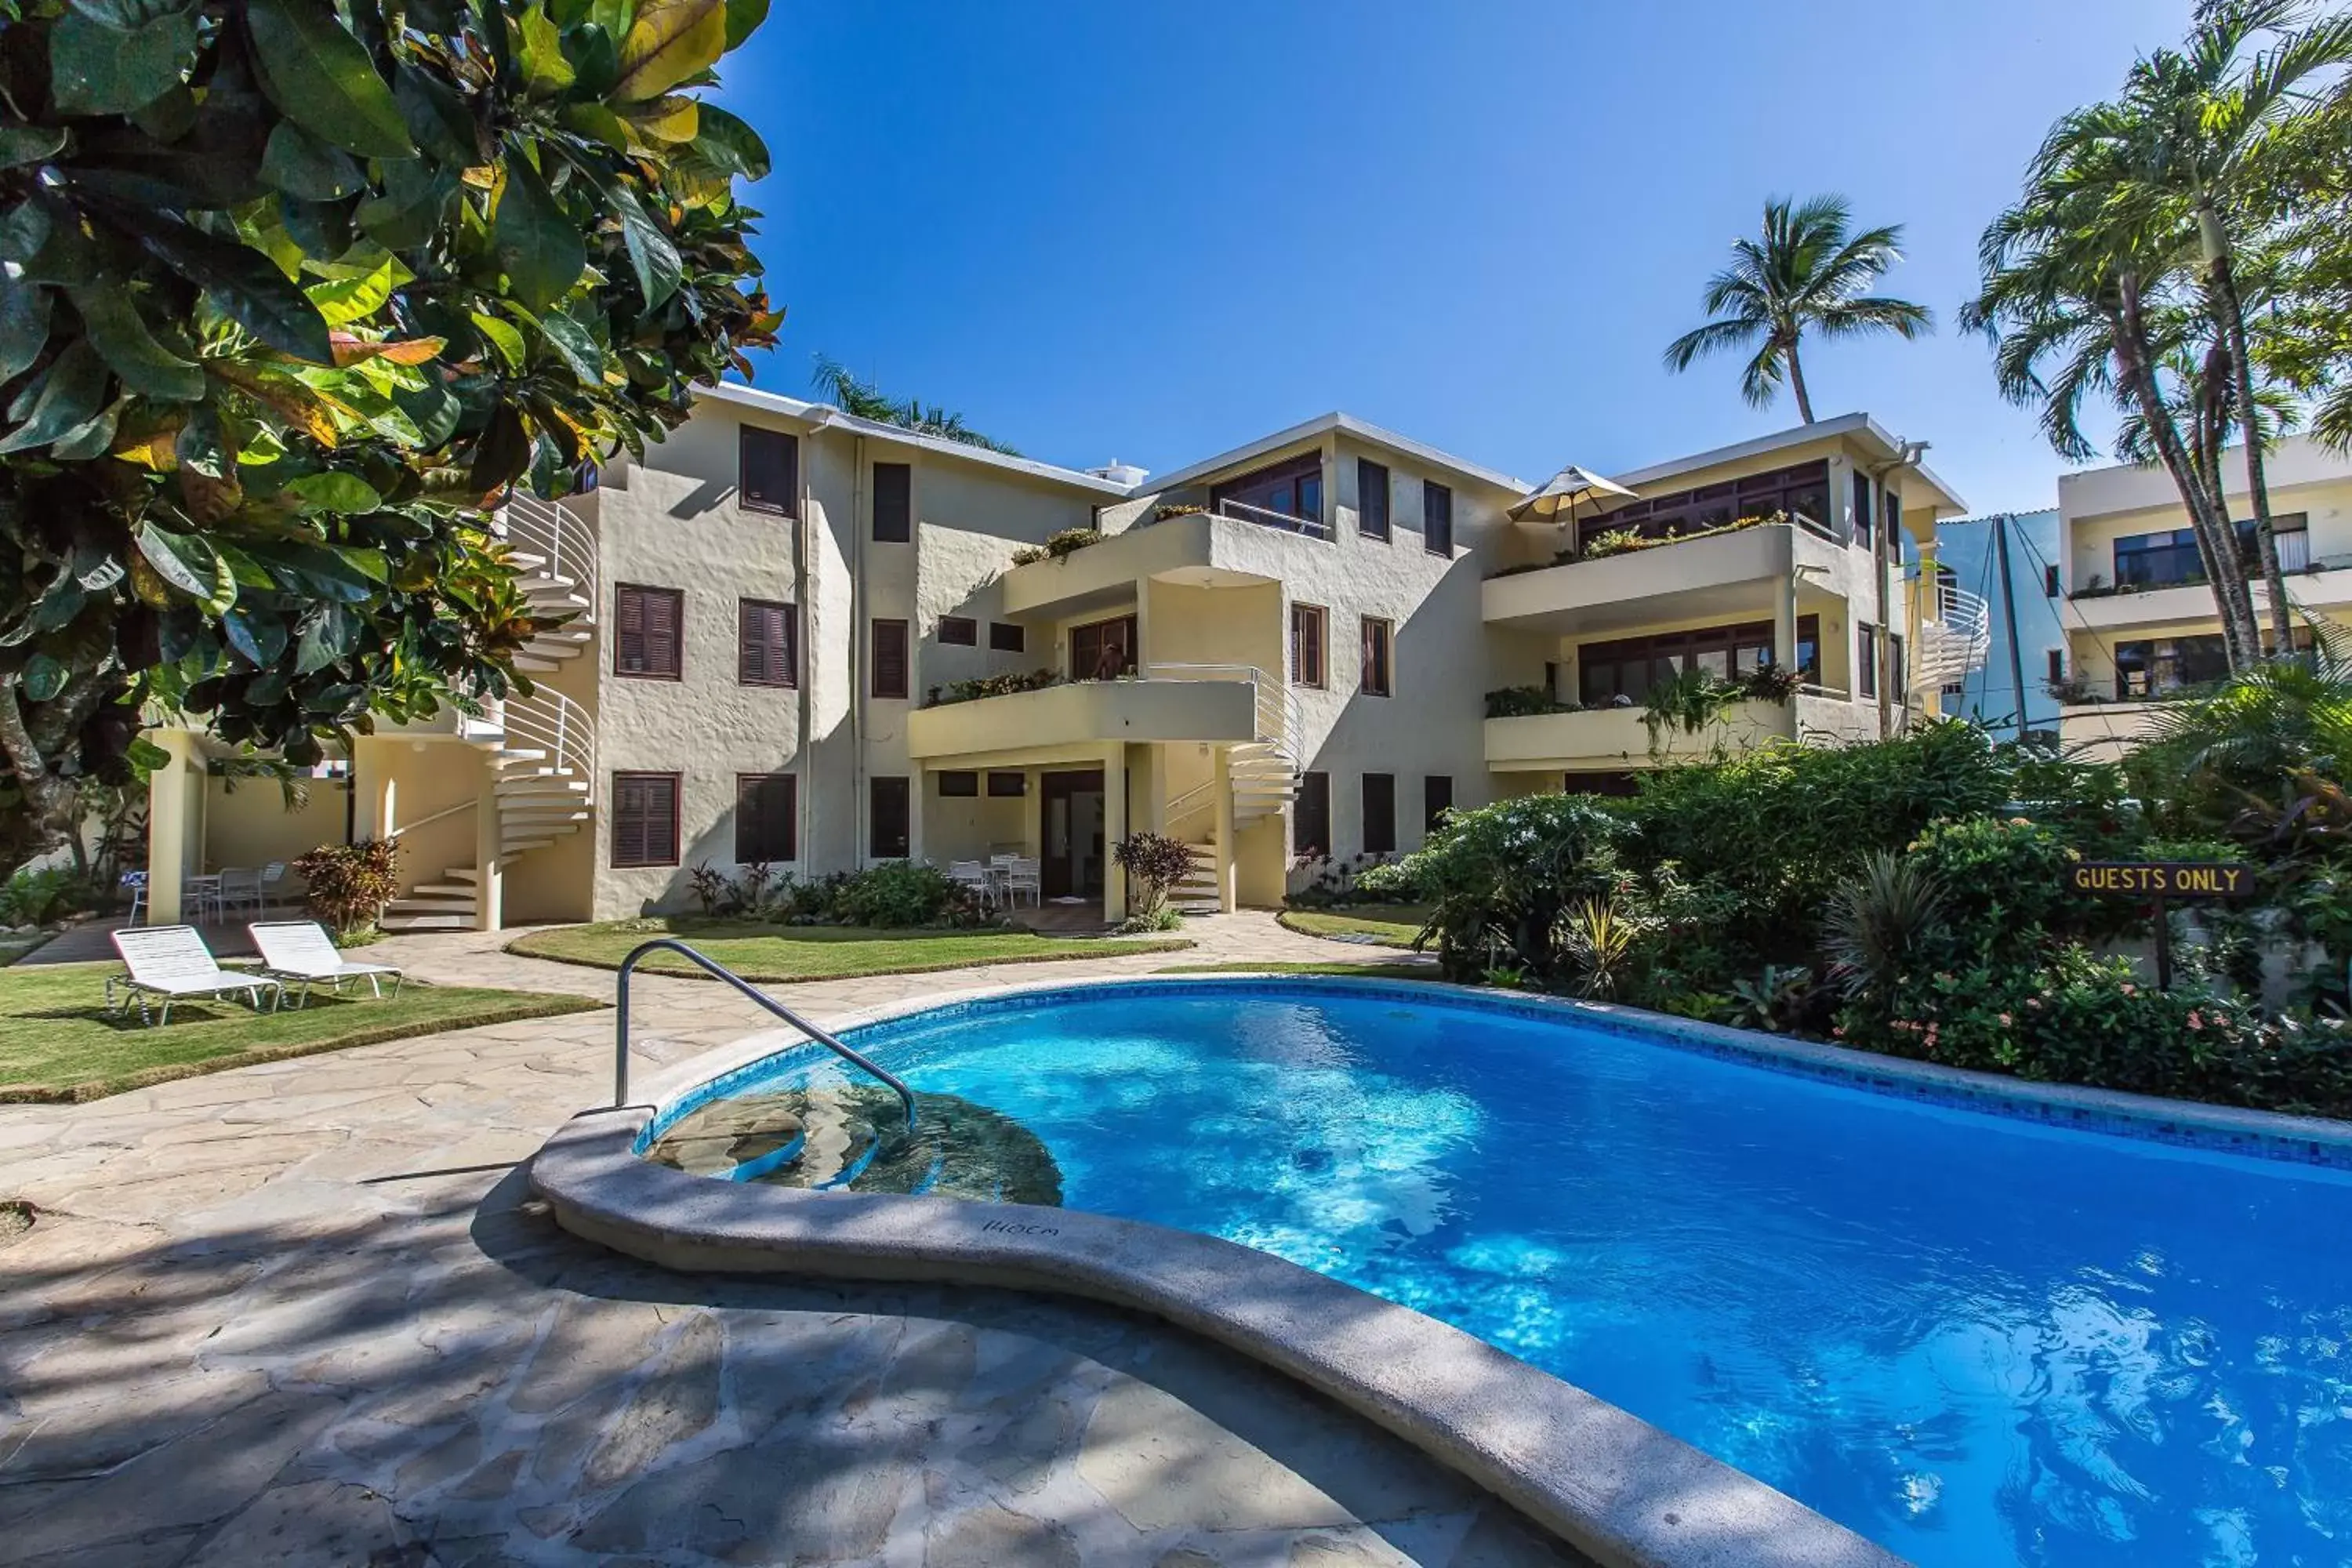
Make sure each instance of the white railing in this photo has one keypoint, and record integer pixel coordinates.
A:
(547, 721)
(435, 817)
(1279, 722)
(561, 539)
(1264, 517)
(1956, 642)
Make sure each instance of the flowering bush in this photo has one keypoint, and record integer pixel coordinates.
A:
(1499, 879)
(350, 884)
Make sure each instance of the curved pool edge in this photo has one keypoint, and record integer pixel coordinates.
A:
(1609, 1484)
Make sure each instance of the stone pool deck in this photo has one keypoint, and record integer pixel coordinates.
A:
(306, 1313)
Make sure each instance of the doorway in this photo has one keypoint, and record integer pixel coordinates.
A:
(1070, 808)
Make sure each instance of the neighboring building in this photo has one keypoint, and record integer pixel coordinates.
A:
(2139, 617)
(1969, 551)
(803, 640)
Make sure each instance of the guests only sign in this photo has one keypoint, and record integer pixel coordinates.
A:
(2160, 883)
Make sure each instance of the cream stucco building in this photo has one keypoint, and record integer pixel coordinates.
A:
(2138, 615)
(802, 638)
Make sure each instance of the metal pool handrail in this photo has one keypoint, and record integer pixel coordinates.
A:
(718, 970)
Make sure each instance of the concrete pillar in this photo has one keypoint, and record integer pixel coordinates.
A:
(1221, 789)
(174, 834)
(1155, 791)
(1114, 829)
(1784, 624)
(489, 879)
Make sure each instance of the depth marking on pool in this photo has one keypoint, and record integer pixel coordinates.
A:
(1016, 1227)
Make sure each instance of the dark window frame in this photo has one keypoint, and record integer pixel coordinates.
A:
(959, 631)
(1311, 807)
(788, 655)
(1372, 500)
(751, 495)
(1436, 800)
(641, 594)
(2056, 658)
(998, 789)
(622, 782)
(1091, 641)
(966, 782)
(1628, 666)
(1287, 495)
(1320, 617)
(877, 790)
(999, 643)
(1865, 658)
(895, 525)
(784, 816)
(877, 631)
(1376, 795)
(1437, 517)
(1787, 490)
(2050, 586)
(1376, 654)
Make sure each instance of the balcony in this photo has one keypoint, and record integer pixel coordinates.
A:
(1087, 713)
(1726, 576)
(1220, 549)
(1617, 738)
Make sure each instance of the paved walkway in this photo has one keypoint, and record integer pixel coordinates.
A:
(306, 1313)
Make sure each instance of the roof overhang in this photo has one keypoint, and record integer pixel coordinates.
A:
(1345, 424)
(1859, 428)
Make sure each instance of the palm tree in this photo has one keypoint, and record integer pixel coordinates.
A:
(853, 393)
(1806, 273)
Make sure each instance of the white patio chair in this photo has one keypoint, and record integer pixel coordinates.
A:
(301, 950)
(1022, 876)
(172, 962)
(973, 875)
(270, 889)
(239, 888)
(134, 883)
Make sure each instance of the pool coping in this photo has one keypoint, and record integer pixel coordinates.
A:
(1622, 1491)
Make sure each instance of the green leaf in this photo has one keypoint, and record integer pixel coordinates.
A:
(61, 402)
(436, 116)
(98, 69)
(409, 210)
(304, 167)
(24, 229)
(242, 283)
(91, 438)
(127, 13)
(342, 301)
(43, 677)
(651, 255)
(539, 246)
(334, 492)
(504, 337)
(545, 70)
(23, 324)
(188, 563)
(575, 346)
(729, 144)
(28, 143)
(670, 41)
(324, 79)
(109, 313)
(145, 756)
(594, 122)
(743, 17)
(261, 637)
(329, 633)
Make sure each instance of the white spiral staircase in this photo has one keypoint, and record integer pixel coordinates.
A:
(1953, 643)
(1262, 775)
(543, 746)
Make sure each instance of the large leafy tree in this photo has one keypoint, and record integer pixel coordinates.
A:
(291, 292)
(1807, 272)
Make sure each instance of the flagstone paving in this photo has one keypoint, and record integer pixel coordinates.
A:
(307, 1313)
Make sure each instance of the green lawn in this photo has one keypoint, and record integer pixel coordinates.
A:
(1359, 970)
(774, 954)
(58, 1042)
(1385, 925)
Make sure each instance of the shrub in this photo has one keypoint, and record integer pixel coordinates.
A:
(1880, 923)
(1058, 546)
(904, 893)
(1163, 917)
(1513, 867)
(2003, 886)
(989, 685)
(350, 884)
(1154, 864)
(1520, 701)
(33, 898)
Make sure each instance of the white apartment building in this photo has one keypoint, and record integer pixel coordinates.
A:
(802, 638)
(2137, 613)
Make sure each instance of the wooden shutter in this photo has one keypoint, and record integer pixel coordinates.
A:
(648, 629)
(1375, 674)
(1436, 799)
(1372, 499)
(1380, 813)
(766, 818)
(887, 818)
(768, 471)
(1436, 518)
(890, 659)
(894, 504)
(765, 651)
(645, 819)
(959, 631)
(1306, 638)
(1310, 815)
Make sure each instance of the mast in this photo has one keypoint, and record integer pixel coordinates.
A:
(2008, 617)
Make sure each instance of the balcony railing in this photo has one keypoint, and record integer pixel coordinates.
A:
(1242, 512)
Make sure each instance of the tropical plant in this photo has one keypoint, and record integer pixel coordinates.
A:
(289, 294)
(1776, 1001)
(1688, 702)
(1522, 702)
(1596, 941)
(1807, 273)
(1058, 546)
(1155, 865)
(350, 884)
(1497, 878)
(1875, 923)
(853, 393)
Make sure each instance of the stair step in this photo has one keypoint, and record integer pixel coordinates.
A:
(459, 891)
(395, 924)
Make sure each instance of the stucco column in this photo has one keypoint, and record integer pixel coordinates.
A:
(1784, 623)
(171, 830)
(489, 879)
(1221, 789)
(1114, 829)
(1924, 597)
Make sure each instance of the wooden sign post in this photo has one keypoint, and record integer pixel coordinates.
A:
(2160, 882)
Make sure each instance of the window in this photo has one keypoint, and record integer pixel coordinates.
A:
(2057, 660)
(957, 784)
(1007, 785)
(2153, 667)
(1436, 800)
(1865, 658)
(1378, 661)
(1436, 518)
(649, 631)
(1310, 818)
(767, 638)
(1954, 688)
(1380, 813)
(766, 818)
(959, 631)
(2050, 582)
(1862, 515)
(1372, 499)
(768, 471)
(1103, 650)
(1286, 495)
(1801, 494)
(1006, 638)
(645, 819)
(1307, 644)
(1890, 505)
(1901, 671)
(1629, 667)
(894, 504)
(887, 819)
(2169, 559)
(890, 659)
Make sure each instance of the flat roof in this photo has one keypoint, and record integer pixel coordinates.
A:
(1860, 425)
(824, 415)
(1347, 425)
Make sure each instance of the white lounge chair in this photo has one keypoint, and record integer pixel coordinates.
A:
(301, 950)
(172, 962)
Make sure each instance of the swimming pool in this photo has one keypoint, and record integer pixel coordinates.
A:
(1975, 1339)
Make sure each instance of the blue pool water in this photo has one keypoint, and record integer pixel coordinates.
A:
(1977, 1340)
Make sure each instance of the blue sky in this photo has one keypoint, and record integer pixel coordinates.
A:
(1153, 231)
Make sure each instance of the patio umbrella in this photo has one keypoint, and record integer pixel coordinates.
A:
(1560, 495)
